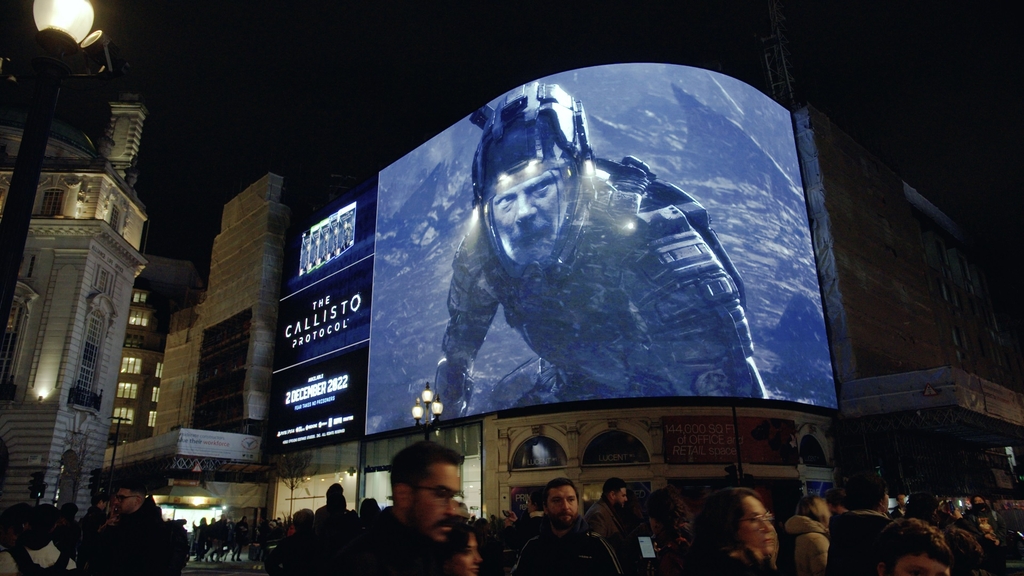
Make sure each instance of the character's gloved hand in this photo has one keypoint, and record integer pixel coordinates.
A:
(454, 384)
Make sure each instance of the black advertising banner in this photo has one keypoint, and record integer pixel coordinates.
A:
(318, 394)
(320, 403)
(332, 315)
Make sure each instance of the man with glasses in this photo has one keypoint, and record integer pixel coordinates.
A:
(566, 545)
(133, 540)
(406, 537)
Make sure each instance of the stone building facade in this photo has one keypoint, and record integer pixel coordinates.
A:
(60, 360)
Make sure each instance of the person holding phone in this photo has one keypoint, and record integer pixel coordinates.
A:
(660, 546)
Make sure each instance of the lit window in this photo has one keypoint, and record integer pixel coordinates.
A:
(127, 390)
(156, 394)
(159, 370)
(90, 354)
(53, 203)
(104, 281)
(131, 365)
(9, 344)
(152, 418)
(115, 218)
(127, 415)
(140, 297)
(138, 318)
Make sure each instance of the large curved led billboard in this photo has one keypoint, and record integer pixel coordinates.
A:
(632, 230)
(618, 231)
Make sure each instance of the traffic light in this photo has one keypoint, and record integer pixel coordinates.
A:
(36, 486)
(96, 481)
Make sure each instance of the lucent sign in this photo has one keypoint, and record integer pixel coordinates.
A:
(632, 230)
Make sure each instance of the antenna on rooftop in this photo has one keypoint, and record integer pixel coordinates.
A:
(777, 73)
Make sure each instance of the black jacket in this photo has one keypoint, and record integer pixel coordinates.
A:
(853, 535)
(138, 544)
(578, 552)
(388, 548)
(296, 555)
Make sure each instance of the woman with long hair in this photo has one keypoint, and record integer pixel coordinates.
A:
(734, 535)
(809, 528)
(461, 552)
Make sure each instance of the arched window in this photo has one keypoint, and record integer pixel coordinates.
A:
(70, 476)
(615, 447)
(539, 452)
(811, 452)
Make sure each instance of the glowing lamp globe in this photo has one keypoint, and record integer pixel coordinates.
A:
(72, 17)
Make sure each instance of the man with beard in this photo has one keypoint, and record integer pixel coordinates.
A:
(603, 517)
(566, 545)
(614, 278)
(405, 539)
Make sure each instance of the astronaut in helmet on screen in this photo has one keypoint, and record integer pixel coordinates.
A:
(614, 278)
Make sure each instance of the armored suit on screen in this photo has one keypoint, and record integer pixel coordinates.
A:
(615, 279)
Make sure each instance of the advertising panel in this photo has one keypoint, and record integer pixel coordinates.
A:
(211, 444)
(709, 439)
(318, 394)
(631, 230)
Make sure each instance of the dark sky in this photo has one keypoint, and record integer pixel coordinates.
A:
(327, 93)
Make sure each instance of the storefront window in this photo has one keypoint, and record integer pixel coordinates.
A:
(465, 440)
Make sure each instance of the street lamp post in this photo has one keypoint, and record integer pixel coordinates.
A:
(113, 455)
(429, 410)
(62, 24)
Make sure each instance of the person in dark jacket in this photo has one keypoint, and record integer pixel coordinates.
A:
(406, 538)
(334, 524)
(518, 531)
(566, 545)
(67, 533)
(241, 538)
(94, 517)
(733, 535)
(133, 540)
(853, 532)
(298, 554)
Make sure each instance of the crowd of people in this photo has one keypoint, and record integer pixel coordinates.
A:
(849, 532)
(427, 532)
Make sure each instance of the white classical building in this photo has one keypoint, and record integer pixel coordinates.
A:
(60, 358)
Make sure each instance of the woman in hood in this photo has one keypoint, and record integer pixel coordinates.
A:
(809, 528)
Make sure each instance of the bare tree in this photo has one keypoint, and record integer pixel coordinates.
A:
(72, 465)
(293, 469)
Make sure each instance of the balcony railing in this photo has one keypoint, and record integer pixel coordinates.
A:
(84, 398)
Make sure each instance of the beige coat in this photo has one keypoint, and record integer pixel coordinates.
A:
(811, 555)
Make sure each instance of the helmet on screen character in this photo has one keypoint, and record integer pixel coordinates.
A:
(532, 172)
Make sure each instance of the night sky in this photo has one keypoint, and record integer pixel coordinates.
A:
(328, 93)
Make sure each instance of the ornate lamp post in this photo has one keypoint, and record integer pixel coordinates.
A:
(429, 410)
(64, 27)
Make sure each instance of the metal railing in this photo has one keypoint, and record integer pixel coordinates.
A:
(85, 398)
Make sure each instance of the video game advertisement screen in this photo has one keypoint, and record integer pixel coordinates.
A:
(318, 394)
(622, 231)
(634, 230)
